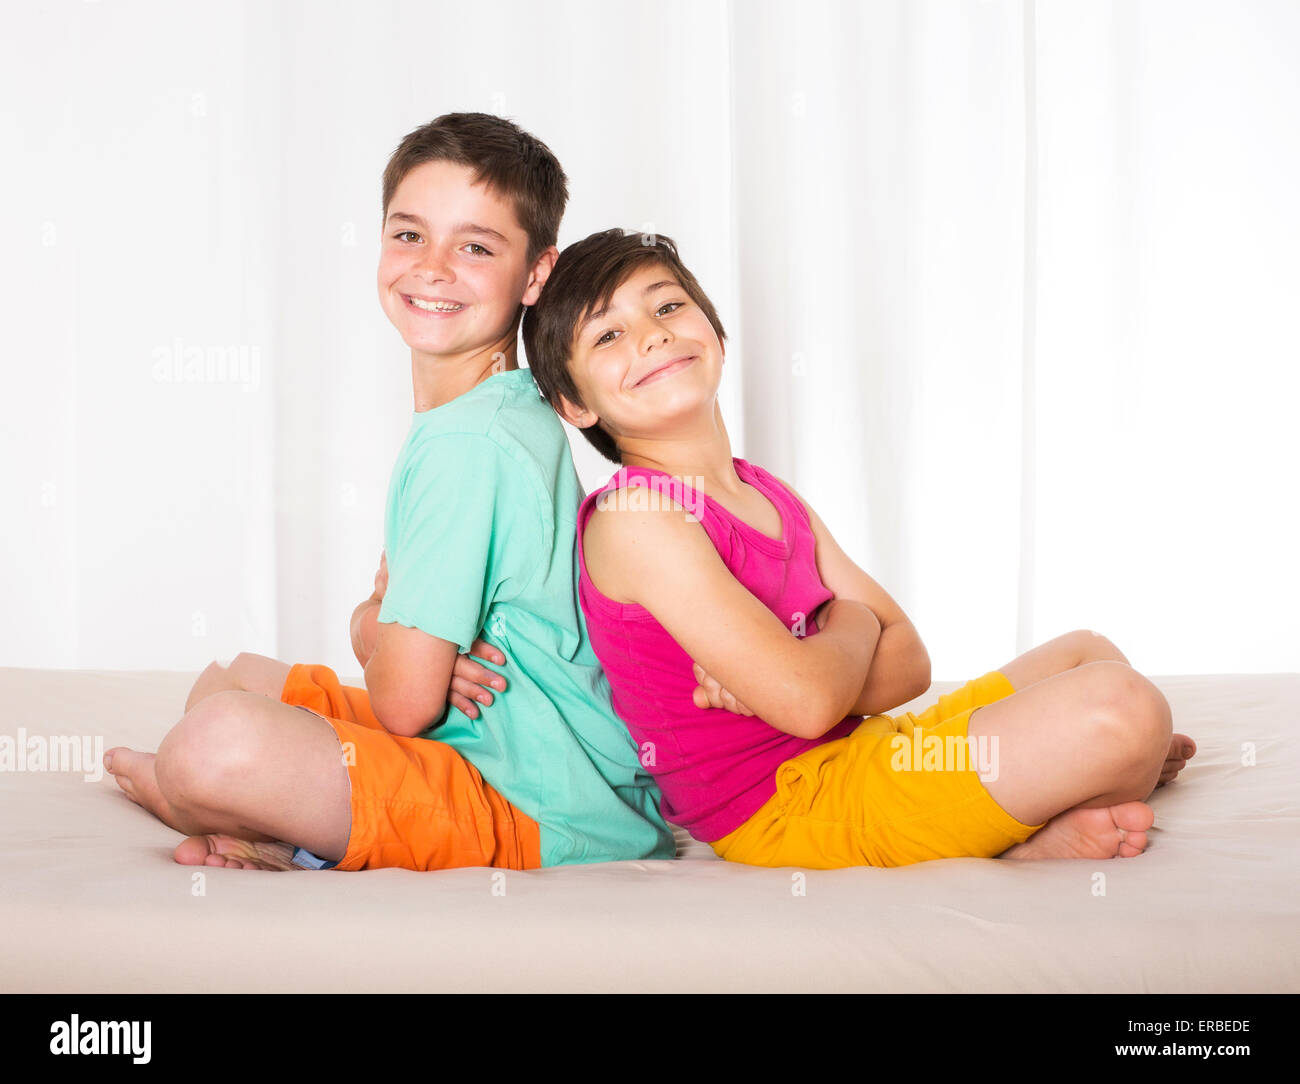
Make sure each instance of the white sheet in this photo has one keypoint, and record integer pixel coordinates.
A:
(91, 901)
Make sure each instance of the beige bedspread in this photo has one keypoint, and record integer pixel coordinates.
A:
(91, 901)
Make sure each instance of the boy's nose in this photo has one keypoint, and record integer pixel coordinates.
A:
(435, 263)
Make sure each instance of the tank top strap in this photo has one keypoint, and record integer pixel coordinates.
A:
(777, 491)
(662, 487)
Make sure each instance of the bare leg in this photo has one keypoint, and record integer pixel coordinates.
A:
(1079, 750)
(249, 672)
(241, 771)
(1079, 648)
(1058, 655)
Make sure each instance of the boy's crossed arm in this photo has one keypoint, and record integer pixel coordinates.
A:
(666, 563)
(899, 668)
(410, 675)
(408, 678)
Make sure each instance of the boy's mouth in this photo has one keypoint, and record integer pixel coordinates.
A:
(443, 306)
(666, 369)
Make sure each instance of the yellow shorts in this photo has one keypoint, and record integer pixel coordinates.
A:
(883, 796)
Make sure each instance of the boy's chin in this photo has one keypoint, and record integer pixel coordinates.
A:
(667, 421)
(423, 344)
(432, 340)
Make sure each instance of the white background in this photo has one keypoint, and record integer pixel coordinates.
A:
(1011, 292)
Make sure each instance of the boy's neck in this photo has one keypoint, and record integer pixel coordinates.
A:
(437, 379)
(701, 458)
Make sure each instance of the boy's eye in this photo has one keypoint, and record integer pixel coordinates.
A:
(481, 249)
(671, 306)
(403, 234)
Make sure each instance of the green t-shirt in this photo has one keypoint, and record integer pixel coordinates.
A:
(481, 539)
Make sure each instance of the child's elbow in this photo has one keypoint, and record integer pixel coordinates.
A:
(403, 719)
(923, 676)
(813, 717)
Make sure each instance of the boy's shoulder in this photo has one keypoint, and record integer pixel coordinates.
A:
(498, 406)
(627, 509)
(630, 530)
(504, 417)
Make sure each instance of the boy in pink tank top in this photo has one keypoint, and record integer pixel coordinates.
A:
(753, 662)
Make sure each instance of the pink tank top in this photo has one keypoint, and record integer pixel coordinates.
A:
(714, 768)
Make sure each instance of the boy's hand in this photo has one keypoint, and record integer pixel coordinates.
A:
(709, 694)
(381, 578)
(471, 681)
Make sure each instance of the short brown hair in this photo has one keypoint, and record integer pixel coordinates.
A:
(583, 281)
(513, 164)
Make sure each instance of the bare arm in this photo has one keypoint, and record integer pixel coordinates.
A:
(408, 678)
(900, 667)
(407, 707)
(364, 628)
(894, 675)
(666, 563)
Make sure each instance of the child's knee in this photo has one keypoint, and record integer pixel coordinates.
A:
(257, 674)
(207, 750)
(214, 677)
(1094, 647)
(244, 665)
(214, 669)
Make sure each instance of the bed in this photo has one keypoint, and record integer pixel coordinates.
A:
(91, 901)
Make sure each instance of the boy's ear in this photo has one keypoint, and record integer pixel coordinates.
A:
(540, 272)
(579, 417)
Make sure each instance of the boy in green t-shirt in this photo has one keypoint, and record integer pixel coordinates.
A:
(479, 540)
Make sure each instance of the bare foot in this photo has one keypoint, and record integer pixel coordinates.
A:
(135, 775)
(1181, 750)
(1117, 831)
(232, 853)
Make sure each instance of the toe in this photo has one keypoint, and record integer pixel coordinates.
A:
(193, 851)
(115, 759)
(124, 761)
(1133, 816)
(1131, 842)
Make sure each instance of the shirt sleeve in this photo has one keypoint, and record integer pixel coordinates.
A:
(465, 533)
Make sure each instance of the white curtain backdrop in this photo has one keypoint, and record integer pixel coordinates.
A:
(1010, 287)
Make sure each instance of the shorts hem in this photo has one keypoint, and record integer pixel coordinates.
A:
(341, 863)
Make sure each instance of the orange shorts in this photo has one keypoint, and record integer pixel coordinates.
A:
(416, 803)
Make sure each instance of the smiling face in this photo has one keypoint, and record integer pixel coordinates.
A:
(453, 267)
(649, 366)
